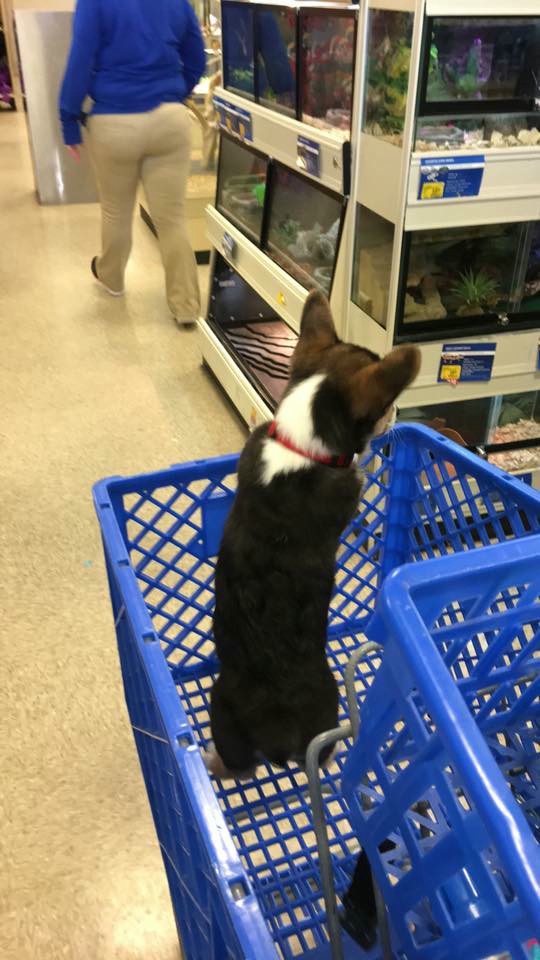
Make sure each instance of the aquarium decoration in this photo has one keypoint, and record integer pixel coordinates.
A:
(476, 292)
(389, 55)
(327, 41)
(304, 226)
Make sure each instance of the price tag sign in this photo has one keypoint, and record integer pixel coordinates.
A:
(228, 246)
(466, 362)
(308, 156)
(234, 119)
(448, 178)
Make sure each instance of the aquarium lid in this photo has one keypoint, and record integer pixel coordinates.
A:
(342, 460)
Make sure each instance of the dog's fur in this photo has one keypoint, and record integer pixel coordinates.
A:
(275, 571)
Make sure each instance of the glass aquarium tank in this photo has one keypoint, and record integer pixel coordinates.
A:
(483, 60)
(506, 427)
(303, 228)
(276, 45)
(480, 84)
(327, 49)
(258, 339)
(489, 273)
(373, 249)
(387, 79)
(238, 44)
(241, 185)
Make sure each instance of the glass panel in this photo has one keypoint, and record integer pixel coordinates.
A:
(518, 419)
(303, 228)
(464, 421)
(374, 240)
(237, 40)
(276, 52)
(477, 132)
(241, 185)
(389, 55)
(260, 341)
(488, 420)
(529, 291)
(477, 58)
(327, 41)
(466, 271)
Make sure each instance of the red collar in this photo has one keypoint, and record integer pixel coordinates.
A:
(343, 460)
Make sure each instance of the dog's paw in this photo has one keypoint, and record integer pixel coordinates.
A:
(215, 765)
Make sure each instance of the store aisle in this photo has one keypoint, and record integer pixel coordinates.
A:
(89, 386)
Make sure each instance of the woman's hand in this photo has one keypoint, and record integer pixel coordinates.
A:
(74, 151)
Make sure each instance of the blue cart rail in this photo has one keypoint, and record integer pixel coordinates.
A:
(444, 778)
(241, 859)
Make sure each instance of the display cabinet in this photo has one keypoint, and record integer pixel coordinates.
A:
(295, 59)
(446, 197)
(279, 226)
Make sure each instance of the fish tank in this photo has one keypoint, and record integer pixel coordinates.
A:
(256, 337)
(480, 83)
(241, 185)
(480, 276)
(505, 428)
(327, 51)
(238, 47)
(304, 223)
(387, 74)
(276, 46)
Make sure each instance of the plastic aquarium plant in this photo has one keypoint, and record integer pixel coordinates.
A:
(388, 73)
(475, 291)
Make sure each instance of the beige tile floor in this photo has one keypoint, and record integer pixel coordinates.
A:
(89, 386)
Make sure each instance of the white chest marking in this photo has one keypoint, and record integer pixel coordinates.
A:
(294, 418)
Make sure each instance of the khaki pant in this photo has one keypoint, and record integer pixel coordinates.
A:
(154, 148)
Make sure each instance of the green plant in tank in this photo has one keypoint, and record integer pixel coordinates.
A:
(388, 76)
(287, 231)
(475, 291)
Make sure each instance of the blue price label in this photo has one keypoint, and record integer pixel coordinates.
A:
(228, 246)
(447, 178)
(308, 156)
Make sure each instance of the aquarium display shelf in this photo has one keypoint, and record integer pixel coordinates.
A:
(278, 136)
(509, 176)
(272, 283)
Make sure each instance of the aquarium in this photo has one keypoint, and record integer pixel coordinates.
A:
(387, 76)
(489, 273)
(260, 342)
(482, 61)
(373, 248)
(276, 45)
(327, 48)
(241, 185)
(505, 428)
(304, 227)
(238, 42)
(477, 132)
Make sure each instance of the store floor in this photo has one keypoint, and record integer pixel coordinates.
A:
(89, 386)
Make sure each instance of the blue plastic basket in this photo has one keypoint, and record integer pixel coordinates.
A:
(446, 768)
(241, 859)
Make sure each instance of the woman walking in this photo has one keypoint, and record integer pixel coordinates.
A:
(138, 60)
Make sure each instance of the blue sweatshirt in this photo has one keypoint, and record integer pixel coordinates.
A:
(129, 56)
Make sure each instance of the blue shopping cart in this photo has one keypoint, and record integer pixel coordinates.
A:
(241, 859)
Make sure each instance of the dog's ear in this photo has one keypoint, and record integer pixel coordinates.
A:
(317, 326)
(317, 334)
(377, 386)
